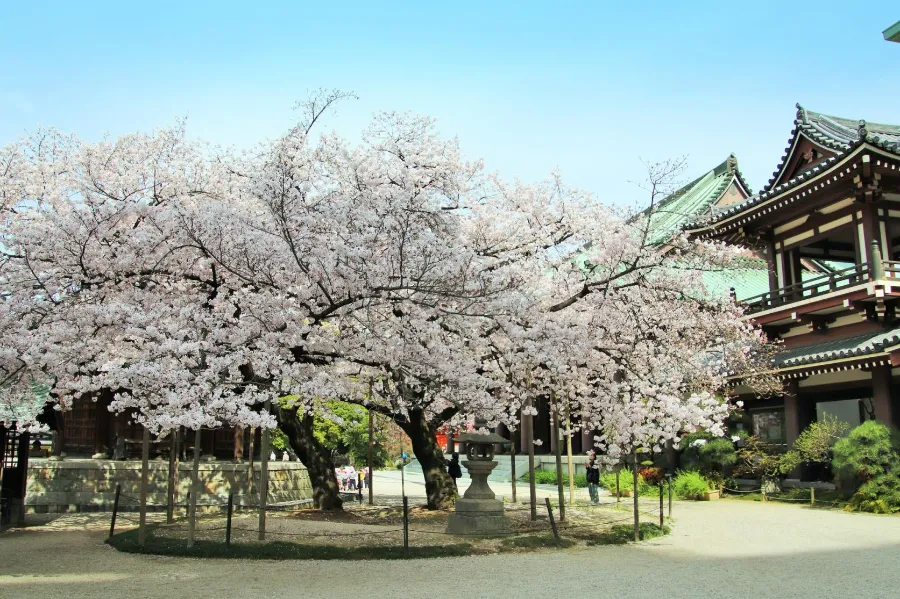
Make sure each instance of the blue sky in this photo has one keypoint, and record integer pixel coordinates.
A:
(589, 88)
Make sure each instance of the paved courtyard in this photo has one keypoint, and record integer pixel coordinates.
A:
(718, 549)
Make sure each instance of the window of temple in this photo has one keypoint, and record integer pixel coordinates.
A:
(768, 425)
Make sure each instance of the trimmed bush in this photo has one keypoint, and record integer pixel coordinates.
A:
(711, 456)
(691, 485)
(867, 465)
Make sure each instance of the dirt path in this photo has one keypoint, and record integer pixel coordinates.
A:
(720, 549)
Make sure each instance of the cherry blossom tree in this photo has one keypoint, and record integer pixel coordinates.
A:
(198, 284)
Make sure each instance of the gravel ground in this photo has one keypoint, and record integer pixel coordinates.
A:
(719, 549)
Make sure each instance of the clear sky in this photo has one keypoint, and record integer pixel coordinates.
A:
(590, 88)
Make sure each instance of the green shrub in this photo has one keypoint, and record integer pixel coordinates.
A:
(548, 477)
(691, 485)
(866, 465)
(709, 455)
(626, 482)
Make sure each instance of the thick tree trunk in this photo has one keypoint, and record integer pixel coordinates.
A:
(317, 459)
(439, 487)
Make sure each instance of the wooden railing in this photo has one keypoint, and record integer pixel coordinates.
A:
(817, 286)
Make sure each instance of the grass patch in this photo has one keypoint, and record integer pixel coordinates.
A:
(159, 545)
(624, 533)
(534, 542)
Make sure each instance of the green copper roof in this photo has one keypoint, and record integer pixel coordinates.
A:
(692, 201)
(834, 349)
(892, 33)
(746, 282)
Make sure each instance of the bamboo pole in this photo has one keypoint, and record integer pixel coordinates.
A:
(264, 479)
(145, 476)
(195, 486)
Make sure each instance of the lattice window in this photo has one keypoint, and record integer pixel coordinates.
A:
(11, 449)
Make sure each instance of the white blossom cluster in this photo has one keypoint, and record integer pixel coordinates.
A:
(198, 283)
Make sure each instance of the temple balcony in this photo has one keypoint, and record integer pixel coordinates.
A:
(857, 288)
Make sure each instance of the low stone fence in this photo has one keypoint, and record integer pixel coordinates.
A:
(90, 485)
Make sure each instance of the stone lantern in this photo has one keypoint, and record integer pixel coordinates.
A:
(478, 511)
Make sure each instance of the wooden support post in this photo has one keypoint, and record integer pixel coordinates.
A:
(532, 490)
(552, 520)
(660, 506)
(173, 477)
(195, 490)
(812, 496)
(264, 479)
(569, 455)
(371, 476)
(618, 488)
(405, 524)
(512, 462)
(669, 476)
(24, 448)
(228, 522)
(145, 477)
(634, 495)
(559, 482)
(112, 522)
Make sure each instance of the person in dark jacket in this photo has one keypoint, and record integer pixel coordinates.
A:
(453, 468)
(592, 470)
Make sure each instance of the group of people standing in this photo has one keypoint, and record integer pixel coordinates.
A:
(351, 479)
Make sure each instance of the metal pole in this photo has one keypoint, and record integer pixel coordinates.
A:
(228, 522)
(145, 476)
(195, 484)
(264, 479)
(371, 476)
(112, 522)
(559, 482)
(552, 520)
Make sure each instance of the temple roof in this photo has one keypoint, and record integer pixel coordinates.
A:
(834, 349)
(694, 200)
(836, 136)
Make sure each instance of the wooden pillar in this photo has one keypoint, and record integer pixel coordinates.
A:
(587, 441)
(24, 447)
(791, 412)
(238, 432)
(881, 391)
(770, 262)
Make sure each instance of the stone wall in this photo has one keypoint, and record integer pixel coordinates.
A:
(90, 485)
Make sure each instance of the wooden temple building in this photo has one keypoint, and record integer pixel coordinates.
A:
(826, 229)
(822, 273)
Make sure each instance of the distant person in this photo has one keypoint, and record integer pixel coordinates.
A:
(351, 478)
(592, 470)
(339, 475)
(453, 468)
(361, 478)
(368, 477)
